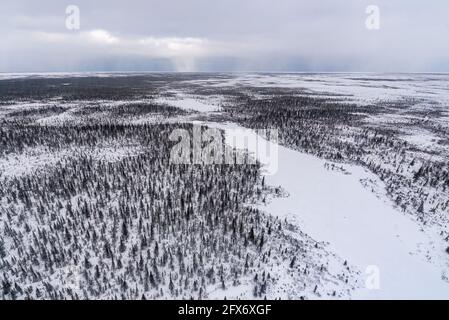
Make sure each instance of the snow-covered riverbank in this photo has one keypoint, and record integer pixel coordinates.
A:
(360, 226)
(349, 210)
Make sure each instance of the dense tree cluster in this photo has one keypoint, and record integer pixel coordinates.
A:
(141, 227)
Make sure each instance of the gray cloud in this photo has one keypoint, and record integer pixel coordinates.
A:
(204, 35)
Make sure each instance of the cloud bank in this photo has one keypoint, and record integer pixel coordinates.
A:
(225, 35)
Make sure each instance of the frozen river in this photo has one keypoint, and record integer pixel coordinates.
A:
(388, 247)
(397, 257)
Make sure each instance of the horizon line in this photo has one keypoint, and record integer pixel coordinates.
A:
(231, 72)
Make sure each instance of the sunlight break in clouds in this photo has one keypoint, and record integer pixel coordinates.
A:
(102, 36)
(183, 52)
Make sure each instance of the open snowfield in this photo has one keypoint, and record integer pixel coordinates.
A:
(362, 88)
(188, 104)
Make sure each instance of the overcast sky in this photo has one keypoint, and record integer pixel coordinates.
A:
(224, 35)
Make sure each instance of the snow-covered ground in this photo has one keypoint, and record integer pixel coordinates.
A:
(41, 159)
(340, 204)
(399, 259)
(361, 88)
(188, 103)
(60, 75)
(359, 226)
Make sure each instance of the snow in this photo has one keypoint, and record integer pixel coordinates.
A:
(331, 206)
(423, 139)
(363, 88)
(334, 206)
(62, 75)
(61, 118)
(188, 103)
(29, 162)
(40, 159)
(359, 226)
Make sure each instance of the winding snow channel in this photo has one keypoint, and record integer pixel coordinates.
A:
(365, 229)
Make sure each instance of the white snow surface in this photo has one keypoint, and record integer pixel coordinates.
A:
(362, 88)
(38, 159)
(359, 226)
(188, 103)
